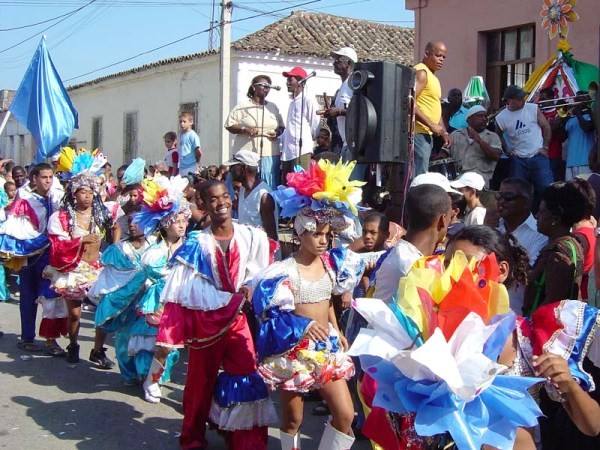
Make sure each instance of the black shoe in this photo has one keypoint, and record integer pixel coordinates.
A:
(321, 410)
(99, 357)
(73, 353)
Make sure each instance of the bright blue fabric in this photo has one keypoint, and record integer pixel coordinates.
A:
(114, 256)
(43, 105)
(4, 293)
(576, 358)
(17, 247)
(135, 172)
(270, 170)
(191, 254)
(279, 331)
(126, 362)
(459, 119)
(491, 418)
(234, 389)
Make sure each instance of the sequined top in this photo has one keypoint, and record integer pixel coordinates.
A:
(308, 291)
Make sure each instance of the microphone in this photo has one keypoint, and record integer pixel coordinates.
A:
(310, 75)
(277, 88)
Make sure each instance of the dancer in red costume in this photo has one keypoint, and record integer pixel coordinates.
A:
(204, 296)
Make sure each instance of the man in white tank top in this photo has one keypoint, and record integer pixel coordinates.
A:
(529, 133)
(256, 207)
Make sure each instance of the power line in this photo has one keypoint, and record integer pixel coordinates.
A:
(47, 28)
(37, 23)
(183, 39)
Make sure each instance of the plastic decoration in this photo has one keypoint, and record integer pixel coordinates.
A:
(555, 17)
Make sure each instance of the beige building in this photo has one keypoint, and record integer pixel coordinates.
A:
(126, 113)
(503, 41)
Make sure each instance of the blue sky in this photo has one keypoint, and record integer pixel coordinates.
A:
(104, 32)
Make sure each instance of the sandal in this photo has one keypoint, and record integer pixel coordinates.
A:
(28, 346)
(55, 350)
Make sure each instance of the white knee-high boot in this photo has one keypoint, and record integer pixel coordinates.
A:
(289, 442)
(333, 439)
(152, 392)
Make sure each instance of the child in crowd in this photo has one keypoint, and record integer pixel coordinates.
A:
(11, 191)
(323, 142)
(172, 155)
(190, 153)
(471, 184)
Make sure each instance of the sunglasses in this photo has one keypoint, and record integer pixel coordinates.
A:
(263, 85)
(507, 196)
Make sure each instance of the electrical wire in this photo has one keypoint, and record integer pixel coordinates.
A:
(37, 23)
(47, 28)
(217, 25)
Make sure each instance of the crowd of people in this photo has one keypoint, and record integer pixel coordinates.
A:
(188, 262)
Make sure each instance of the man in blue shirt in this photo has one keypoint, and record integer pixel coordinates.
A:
(579, 127)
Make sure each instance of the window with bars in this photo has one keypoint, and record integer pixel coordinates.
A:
(130, 136)
(191, 107)
(510, 59)
(96, 133)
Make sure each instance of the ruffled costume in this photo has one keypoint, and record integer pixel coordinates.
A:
(288, 359)
(203, 311)
(321, 195)
(4, 293)
(142, 336)
(433, 356)
(117, 290)
(24, 246)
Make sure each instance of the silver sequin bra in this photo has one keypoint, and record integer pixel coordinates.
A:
(308, 291)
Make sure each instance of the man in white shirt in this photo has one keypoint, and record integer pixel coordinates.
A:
(302, 124)
(343, 65)
(428, 210)
(471, 184)
(514, 207)
(529, 135)
(256, 206)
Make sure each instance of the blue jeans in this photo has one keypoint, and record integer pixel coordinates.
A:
(423, 147)
(31, 286)
(536, 170)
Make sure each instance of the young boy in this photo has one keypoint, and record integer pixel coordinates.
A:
(471, 184)
(172, 156)
(323, 142)
(190, 152)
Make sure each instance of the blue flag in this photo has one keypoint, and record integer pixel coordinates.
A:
(43, 105)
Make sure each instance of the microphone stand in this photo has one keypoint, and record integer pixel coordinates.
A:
(301, 119)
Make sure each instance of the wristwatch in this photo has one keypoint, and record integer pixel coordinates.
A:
(243, 129)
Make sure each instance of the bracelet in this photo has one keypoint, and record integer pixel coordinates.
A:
(243, 129)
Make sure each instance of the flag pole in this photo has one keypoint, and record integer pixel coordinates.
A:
(4, 121)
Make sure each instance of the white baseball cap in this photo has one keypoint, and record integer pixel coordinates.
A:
(469, 179)
(348, 52)
(434, 178)
(475, 109)
(245, 157)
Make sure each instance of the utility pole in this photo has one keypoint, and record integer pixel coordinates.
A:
(226, 7)
(212, 42)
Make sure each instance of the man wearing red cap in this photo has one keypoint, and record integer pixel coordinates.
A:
(302, 124)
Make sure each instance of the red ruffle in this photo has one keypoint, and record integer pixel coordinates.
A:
(53, 328)
(64, 254)
(181, 326)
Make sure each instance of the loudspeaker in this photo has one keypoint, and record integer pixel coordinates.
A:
(380, 116)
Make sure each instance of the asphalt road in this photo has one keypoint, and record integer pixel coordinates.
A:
(45, 403)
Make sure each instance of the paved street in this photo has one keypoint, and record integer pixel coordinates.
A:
(48, 404)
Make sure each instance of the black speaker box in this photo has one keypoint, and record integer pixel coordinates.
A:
(380, 116)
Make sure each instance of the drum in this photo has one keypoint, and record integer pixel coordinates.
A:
(447, 167)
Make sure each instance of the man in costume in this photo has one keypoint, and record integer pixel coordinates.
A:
(204, 296)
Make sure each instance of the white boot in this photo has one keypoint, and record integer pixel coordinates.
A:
(152, 392)
(289, 442)
(333, 439)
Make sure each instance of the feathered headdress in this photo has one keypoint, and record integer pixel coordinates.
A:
(162, 201)
(81, 168)
(323, 193)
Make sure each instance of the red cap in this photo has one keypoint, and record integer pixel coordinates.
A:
(298, 72)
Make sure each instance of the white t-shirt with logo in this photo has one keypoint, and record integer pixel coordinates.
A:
(522, 129)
